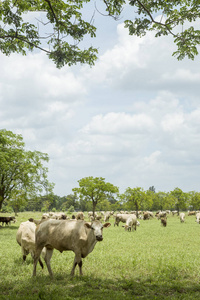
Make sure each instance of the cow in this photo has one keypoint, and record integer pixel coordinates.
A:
(131, 223)
(161, 214)
(175, 212)
(146, 216)
(67, 235)
(107, 216)
(57, 216)
(80, 216)
(25, 237)
(198, 218)
(191, 213)
(122, 218)
(163, 221)
(182, 217)
(7, 220)
(37, 222)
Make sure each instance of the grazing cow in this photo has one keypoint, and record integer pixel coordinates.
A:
(198, 218)
(67, 235)
(161, 214)
(131, 223)
(80, 216)
(122, 218)
(146, 216)
(175, 212)
(25, 237)
(163, 221)
(191, 213)
(7, 220)
(182, 217)
(107, 216)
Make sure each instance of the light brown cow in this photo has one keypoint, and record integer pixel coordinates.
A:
(80, 216)
(161, 214)
(121, 218)
(67, 235)
(191, 213)
(25, 237)
(131, 223)
(163, 221)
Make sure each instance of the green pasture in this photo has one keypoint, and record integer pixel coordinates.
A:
(154, 262)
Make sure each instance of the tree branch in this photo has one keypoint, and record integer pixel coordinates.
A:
(152, 19)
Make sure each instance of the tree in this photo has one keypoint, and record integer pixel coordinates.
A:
(68, 201)
(21, 172)
(95, 190)
(61, 27)
(152, 189)
(134, 198)
(161, 200)
(180, 199)
(194, 200)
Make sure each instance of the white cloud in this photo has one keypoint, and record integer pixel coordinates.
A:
(119, 123)
(133, 118)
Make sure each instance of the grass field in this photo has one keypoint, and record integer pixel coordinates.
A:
(154, 262)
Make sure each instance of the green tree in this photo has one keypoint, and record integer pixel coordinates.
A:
(66, 26)
(18, 201)
(194, 200)
(68, 201)
(152, 189)
(95, 190)
(104, 205)
(134, 198)
(21, 172)
(180, 199)
(161, 201)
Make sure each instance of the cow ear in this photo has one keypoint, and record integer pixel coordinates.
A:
(106, 225)
(88, 225)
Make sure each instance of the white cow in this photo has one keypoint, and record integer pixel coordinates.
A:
(131, 223)
(67, 235)
(182, 217)
(122, 218)
(25, 237)
(198, 217)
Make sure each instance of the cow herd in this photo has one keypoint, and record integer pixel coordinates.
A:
(57, 231)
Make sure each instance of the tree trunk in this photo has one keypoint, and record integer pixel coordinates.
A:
(1, 200)
(94, 208)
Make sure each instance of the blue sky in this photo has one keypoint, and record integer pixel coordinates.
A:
(133, 118)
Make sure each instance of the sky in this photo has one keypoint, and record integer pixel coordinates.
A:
(133, 118)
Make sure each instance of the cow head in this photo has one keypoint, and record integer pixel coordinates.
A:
(97, 228)
(126, 227)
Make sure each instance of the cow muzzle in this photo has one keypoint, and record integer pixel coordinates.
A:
(99, 238)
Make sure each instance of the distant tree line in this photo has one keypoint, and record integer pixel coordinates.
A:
(131, 199)
(24, 186)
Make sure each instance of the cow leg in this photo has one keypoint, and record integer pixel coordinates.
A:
(36, 258)
(40, 262)
(80, 267)
(24, 253)
(77, 260)
(47, 258)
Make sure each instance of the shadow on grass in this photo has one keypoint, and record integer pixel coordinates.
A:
(64, 287)
(5, 227)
